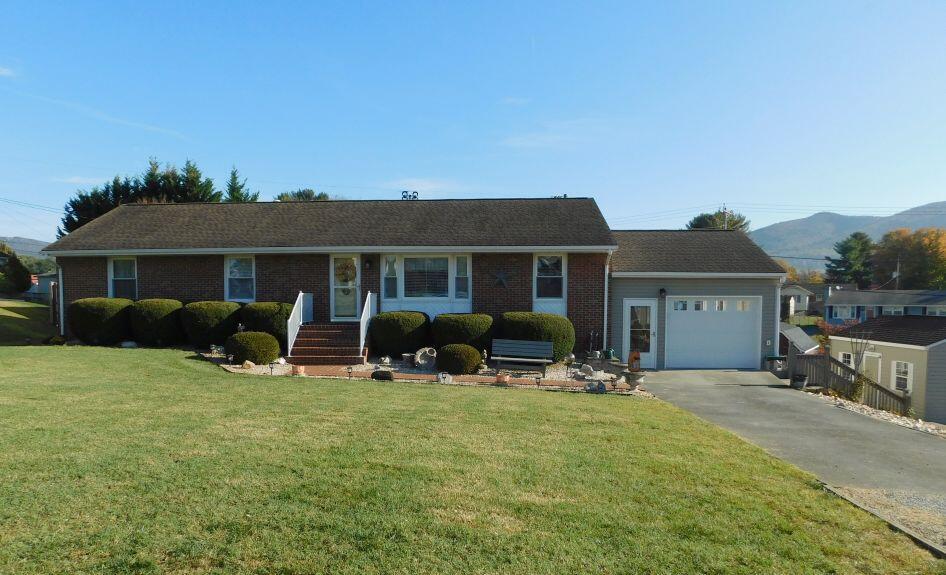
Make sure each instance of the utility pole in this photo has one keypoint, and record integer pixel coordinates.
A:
(897, 273)
(725, 217)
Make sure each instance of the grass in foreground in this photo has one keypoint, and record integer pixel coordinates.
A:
(148, 461)
(21, 320)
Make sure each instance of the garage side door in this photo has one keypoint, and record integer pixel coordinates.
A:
(707, 332)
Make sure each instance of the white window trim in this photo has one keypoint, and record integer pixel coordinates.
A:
(226, 277)
(716, 305)
(535, 276)
(891, 309)
(111, 289)
(841, 355)
(451, 277)
(851, 312)
(893, 375)
(938, 310)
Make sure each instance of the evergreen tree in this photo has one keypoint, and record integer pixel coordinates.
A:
(236, 191)
(194, 187)
(854, 262)
(14, 277)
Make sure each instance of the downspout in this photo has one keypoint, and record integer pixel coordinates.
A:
(604, 330)
(778, 315)
(62, 306)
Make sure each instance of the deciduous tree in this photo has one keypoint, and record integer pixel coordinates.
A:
(719, 221)
(303, 195)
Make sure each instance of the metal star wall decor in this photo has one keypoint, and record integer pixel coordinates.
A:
(502, 278)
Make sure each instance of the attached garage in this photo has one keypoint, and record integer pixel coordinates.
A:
(713, 332)
(693, 299)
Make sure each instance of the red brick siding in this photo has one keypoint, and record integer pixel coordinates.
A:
(82, 277)
(586, 297)
(491, 297)
(370, 278)
(184, 278)
(282, 277)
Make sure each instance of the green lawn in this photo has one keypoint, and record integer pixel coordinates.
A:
(151, 461)
(20, 320)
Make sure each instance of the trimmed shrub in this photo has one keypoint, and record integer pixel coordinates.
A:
(100, 320)
(157, 322)
(532, 326)
(256, 346)
(207, 322)
(16, 278)
(458, 359)
(397, 332)
(470, 328)
(270, 317)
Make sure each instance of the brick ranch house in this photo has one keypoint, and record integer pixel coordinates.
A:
(554, 255)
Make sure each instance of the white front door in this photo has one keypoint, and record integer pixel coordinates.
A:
(345, 294)
(640, 331)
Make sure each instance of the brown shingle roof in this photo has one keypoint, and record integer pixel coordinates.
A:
(695, 251)
(908, 329)
(448, 223)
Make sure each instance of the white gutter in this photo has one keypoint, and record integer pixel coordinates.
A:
(779, 276)
(778, 316)
(604, 332)
(331, 250)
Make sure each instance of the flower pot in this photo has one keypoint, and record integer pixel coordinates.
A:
(502, 378)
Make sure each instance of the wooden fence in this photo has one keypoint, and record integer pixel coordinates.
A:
(825, 371)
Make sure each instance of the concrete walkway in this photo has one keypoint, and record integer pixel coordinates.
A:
(841, 447)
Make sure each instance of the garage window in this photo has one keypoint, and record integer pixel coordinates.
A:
(720, 305)
(699, 305)
(902, 375)
(679, 305)
(743, 305)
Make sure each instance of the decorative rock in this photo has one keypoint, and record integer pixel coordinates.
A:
(129, 344)
(587, 370)
(248, 364)
(384, 360)
(281, 361)
(444, 377)
(425, 357)
(382, 375)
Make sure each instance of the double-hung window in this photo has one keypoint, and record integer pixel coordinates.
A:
(847, 359)
(390, 277)
(892, 310)
(241, 278)
(427, 277)
(902, 375)
(123, 278)
(936, 310)
(461, 279)
(842, 312)
(549, 277)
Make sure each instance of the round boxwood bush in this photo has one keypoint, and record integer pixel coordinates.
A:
(157, 322)
(397, 332)
(207, 322)
(458, 359)
(270, 317)
(532, 326)
(470, 328)
(100, 320)
(256, 346)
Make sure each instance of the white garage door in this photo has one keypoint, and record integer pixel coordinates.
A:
(713, 332)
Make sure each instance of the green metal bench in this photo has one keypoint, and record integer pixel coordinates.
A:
(522, 352)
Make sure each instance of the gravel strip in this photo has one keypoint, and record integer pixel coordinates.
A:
(930, 427)
(923, 514)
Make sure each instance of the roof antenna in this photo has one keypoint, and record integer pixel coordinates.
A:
(406, 195)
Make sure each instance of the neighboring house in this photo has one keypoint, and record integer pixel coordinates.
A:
(693, 299)
(792, 336)
(438, 256)
(39, 291)
(795, 299)
(820, 292)
(844, 306)
(904, 353)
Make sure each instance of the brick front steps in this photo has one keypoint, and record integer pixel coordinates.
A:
(327, 344)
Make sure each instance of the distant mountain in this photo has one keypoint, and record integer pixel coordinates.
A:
(816, 235)
(26, 246)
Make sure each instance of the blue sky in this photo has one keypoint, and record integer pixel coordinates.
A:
(657, 110)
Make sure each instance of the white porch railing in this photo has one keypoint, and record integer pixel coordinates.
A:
(294, 321)
(367, 312)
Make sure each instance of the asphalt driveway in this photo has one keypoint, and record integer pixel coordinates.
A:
(898, 473)
(839, 446)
